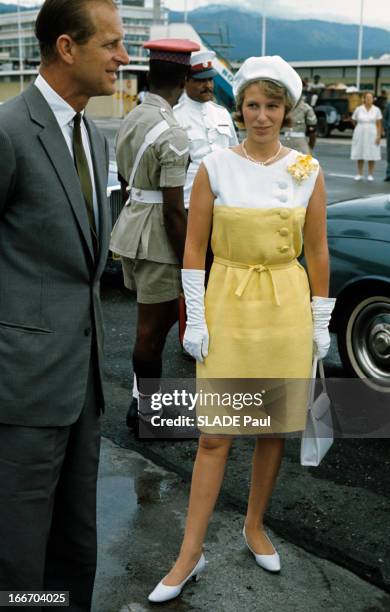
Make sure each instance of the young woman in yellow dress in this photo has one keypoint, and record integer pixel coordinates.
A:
(262, 315)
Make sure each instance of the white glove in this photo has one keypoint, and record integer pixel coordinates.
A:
(321, 308)
(196, 337)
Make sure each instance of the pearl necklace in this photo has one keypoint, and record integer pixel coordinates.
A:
(256, 161)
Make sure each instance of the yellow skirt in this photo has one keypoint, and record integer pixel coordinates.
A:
(260, 324)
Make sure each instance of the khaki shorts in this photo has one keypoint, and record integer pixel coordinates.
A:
(154, 282)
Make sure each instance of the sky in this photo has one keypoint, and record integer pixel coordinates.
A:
(375, 12)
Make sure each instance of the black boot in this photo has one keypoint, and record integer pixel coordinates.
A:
(132, 415)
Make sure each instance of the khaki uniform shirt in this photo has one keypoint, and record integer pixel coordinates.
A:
(302, 117)
(139, 232)
(209, 127)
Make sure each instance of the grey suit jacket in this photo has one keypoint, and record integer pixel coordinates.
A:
(50, 307)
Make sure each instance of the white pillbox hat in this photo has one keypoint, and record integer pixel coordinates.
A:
(268, 68)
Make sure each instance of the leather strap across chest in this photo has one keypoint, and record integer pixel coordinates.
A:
(150, 138)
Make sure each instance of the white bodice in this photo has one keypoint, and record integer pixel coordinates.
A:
(367, 117)
(237, 181)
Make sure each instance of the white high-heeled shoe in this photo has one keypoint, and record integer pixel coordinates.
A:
(271, 563)
(164, 592)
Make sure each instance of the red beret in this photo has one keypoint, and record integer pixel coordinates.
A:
(176, 50)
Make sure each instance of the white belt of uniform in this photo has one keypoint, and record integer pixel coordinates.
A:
(146, 196)
(295, 134)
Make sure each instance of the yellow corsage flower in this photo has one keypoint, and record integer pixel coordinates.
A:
(302, 168)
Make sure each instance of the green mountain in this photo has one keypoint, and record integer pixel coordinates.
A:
(307, 39)
(12, 8)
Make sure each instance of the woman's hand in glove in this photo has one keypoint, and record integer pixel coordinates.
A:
(196, 337)
(322, 310)
(321, 339)
(196, 341)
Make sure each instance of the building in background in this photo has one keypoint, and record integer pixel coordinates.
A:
(17, 41)
(137, 17)
(375, 72)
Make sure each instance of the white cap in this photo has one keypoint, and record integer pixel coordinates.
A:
(268, 68)
(202, 65)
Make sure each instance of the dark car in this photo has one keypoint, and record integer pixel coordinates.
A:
(359, 245)
(114, 192)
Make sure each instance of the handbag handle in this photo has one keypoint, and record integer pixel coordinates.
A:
(322, 374)
(317, 363)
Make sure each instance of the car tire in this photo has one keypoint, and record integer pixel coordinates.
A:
(363, 336)
(323, 129)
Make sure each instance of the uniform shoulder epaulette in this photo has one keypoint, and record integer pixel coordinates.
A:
(167, 116)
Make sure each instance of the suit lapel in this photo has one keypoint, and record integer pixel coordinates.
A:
(100, 173)
(55, 146)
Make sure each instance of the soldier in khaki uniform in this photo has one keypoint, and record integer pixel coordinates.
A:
(303, 119)
(152, 157)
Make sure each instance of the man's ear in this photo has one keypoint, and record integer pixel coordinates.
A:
(65, 46)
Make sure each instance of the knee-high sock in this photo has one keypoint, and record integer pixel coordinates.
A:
(135, 388)
(148, 374)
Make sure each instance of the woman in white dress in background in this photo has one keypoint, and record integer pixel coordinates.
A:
(366, 136)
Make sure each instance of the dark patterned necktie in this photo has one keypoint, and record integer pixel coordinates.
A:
(84, 175)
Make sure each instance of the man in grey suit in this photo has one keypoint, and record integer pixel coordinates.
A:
(54, 236)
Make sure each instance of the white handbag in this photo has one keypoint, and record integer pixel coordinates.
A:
(317, 438)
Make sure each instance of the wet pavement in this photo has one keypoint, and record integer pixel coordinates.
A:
(141, 514)
(339, 511)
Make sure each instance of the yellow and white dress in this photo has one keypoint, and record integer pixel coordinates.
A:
(258, 298)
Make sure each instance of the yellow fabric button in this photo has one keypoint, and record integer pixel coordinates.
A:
(283, 231)
(284, 214)
(284, 249)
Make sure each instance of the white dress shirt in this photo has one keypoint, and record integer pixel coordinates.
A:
(64, 113)
(209, 127)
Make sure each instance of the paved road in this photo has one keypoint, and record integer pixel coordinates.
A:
(141, 513)
(339, 511)
(339, 170)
